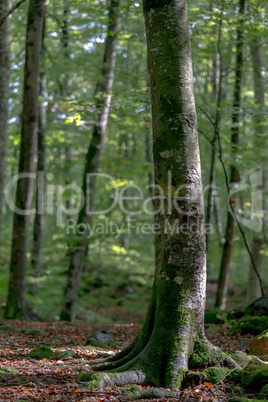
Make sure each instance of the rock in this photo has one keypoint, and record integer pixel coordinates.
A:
(255, 376)
(250, 325)
(259, 306)
(216, 374)
(259, 346)
(7, 328)
(32, 331)
(100, 336)
(41, 353)
(68, 354)
(264, 393)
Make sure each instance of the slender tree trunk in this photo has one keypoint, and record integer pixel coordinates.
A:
(218, 94)
(5, 6)
(39, 220)
(67, 89)
(103, 95)
(254, 289)
(234, 176)
(16, 306)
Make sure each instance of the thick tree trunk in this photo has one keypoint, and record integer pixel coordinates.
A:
(15, 307)
(234, 177)
(5, 6)
(103, 95)
(254, 288)
(172, 336)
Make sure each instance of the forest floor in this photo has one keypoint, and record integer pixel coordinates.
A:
(55, 378)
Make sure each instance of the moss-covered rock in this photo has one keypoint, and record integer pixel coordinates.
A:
(193, 378)
(7, 370)
(67, 354)
(264, 393)
(250, 325)
(235, 376)
(7, 328)
(97, 344)
(32, 331)
(255, 376)
(215, 374)
(41, 353)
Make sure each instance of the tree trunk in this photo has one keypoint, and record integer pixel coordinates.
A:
(173, 333)
(15, 307)
(218, 95)
(254, 289)
(40, 188)
(5, 6)
(103, 95)
(234, 177)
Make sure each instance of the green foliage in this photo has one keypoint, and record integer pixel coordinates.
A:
(32, 331)
(250, 325)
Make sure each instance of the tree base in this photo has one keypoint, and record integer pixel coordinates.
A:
(146, 368)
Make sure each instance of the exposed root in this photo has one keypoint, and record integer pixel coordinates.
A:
(205, 354)
(152, 393)
(101, 380)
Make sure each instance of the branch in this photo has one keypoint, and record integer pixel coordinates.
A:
(11, 11)
(229, 199)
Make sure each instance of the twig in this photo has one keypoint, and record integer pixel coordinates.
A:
(14, 8)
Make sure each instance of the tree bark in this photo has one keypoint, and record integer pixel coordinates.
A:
(254, 289)
(5, 6)
(222, 289)
(218, 94)
(39, 220)
(16, 306)
(103, 96)
(173, 336)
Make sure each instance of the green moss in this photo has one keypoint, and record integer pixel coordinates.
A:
(204, 355)
(7, 370)
(213, 316)
(250, 325)
(264, 392)
(216, 374)
(263, 335)
(7, 328)
(235, 376)
(255, 376)
(98, 344)
(239, 357)
(32, 331)
(41, 353)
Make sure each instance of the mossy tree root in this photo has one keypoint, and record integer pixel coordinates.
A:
(152, 366)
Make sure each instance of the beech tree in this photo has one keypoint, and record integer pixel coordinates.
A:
(4, 91)
(16, 305)
(102, 98)
(172, 338)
